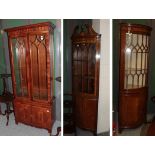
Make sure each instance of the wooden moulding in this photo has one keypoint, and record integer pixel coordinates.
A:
(85, 34)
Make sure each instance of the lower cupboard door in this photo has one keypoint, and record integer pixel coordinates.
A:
(132, 110)
(23, 113)
(90, 114)
(41, 117)
(86, 113)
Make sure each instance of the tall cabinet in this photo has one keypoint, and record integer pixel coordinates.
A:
(32, 67)
(85, 76)
(133, 74)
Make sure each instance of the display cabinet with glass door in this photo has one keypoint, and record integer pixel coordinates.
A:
(85, 76)
(31, 60)
(133, 84)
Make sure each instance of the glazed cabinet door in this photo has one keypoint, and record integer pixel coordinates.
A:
(136, 60)
(84, 68)
(19, 66)
(39, 49)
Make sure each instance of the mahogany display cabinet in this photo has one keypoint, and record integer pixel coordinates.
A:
(85, 76)
(32, 66)
(133, 74)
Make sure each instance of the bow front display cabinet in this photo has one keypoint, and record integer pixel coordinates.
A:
(85, 76)
(32, 64)
(133, 74)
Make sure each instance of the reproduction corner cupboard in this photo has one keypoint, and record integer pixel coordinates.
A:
(85, 76)
(133, 74)
(31, 58)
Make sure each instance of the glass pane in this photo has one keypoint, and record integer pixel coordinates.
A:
(38, 67)
(79, 69)
(136, 53)
(19, 57)
(84, 67)
(91, 68)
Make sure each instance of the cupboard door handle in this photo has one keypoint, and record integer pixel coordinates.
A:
(47, 111)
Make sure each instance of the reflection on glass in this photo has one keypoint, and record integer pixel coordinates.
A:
(19, 53)
(136, 53)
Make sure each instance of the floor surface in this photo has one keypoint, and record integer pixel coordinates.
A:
(22, 130)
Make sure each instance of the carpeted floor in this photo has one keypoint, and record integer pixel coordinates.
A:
(22, 130)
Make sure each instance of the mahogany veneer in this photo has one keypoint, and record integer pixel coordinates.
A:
(85, 76)
(133, 74)
(32, 64)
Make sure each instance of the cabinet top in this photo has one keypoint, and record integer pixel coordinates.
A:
(85, 32)
(135, 28)
(31, 26)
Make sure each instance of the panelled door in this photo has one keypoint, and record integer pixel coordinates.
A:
(20, 61)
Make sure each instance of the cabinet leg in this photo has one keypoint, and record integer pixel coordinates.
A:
(7, 119)
(58, 130)
(94, 133)
(50, 132)
(16, 122)
(119, 130)
(75, 131)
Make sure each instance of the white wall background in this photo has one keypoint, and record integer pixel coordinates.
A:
(103, 27)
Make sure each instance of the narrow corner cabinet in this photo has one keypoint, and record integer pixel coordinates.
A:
(133, 74)
(32, 63)
(85, 76)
